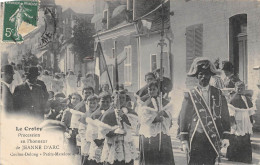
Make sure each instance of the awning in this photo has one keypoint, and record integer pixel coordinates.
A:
(38, 55)
(118, 10)
(97, 17)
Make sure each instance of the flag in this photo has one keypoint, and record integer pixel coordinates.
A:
(101, 58)
(101, 61)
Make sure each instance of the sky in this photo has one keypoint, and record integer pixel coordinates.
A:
(79, 6)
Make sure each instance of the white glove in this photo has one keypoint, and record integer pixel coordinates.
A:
(225, 143)
(185, 146)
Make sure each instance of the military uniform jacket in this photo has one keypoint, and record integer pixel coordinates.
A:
(218, 106)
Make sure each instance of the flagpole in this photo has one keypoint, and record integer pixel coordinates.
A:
(101, 53)
(109, 78)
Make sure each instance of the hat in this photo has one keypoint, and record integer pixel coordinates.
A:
(201, 63)
(32, 72)
(227, 66)
(8, 69)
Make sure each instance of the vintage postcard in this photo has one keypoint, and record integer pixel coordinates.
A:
(129, 82)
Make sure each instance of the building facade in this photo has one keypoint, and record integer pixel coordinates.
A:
(67, 58)
(228, 30)
(130, 30)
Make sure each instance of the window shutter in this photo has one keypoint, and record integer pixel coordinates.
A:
(128, 65)
(194, 43)
(194, 47)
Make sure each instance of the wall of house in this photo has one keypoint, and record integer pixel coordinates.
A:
(121, 41)
(148, 46)
(214, 16)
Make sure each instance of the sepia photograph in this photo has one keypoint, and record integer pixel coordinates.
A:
(130, 82)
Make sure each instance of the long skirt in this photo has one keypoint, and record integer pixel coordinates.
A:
(150, 153)
(239, 149)
(201, 151)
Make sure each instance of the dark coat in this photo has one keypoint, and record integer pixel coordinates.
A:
(7, 98)
(45, 92)
(188, 117)
(29, 102)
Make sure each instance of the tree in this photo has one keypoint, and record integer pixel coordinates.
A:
(83, 41)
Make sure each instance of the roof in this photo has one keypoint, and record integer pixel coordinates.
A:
(79, 15)
(69, 10)
(47, 3)
(143, 7)
(154, 16)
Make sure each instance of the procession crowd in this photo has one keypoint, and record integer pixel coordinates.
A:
(99, 124)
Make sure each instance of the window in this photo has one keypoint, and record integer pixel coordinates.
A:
(128, 65)
(194, 47)
(238, 45)
(153, 62)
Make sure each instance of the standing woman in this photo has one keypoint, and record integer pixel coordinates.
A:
(155, 143)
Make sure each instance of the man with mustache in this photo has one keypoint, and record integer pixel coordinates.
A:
(204, 117)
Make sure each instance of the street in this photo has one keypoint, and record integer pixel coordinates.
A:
(180, 157)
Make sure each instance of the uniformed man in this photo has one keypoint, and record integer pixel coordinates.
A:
(204, 117)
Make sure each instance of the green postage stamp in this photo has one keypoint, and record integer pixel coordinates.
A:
(20, 17)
